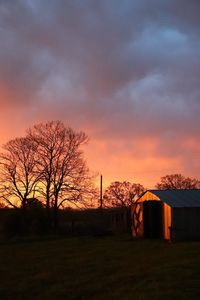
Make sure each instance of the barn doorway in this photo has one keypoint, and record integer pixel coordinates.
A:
(153, 219)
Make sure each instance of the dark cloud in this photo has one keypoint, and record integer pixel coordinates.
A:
(121, 70)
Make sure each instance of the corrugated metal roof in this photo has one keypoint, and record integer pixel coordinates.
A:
(179, 198)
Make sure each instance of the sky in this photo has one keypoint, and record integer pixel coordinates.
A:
(127, 73)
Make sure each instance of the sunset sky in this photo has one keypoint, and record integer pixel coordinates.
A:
(125, 72)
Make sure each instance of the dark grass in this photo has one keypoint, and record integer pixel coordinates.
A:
(99, 268)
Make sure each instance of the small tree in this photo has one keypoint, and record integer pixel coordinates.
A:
(177, 181)
(122, 194)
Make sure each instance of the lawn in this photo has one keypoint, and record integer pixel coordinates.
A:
(99, 268)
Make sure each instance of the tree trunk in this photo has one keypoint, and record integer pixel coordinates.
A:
(55, 214)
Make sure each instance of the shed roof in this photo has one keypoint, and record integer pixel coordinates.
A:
(179, 198)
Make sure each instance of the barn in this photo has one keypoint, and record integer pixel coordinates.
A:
(168, 214)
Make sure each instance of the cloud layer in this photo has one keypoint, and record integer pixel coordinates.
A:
(127, 72)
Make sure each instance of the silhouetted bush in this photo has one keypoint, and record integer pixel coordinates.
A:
(31, 221)
(94, 222)
(14, 224)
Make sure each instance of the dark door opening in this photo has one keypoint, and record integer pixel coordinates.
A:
(153, 219)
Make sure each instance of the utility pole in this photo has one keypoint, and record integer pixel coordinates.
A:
(101, 191)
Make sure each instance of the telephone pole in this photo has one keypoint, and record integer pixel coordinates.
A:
(101, 191)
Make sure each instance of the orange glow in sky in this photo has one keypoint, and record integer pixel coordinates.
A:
(129, 80)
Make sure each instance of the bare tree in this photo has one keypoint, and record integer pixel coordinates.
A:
(60, 163)
(122, 194)
(177, 181)
(18, 179)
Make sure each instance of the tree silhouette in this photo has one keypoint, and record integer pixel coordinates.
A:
(177, 181)
(18, 179)
(122, 194)
(46, 165)
(64, 176)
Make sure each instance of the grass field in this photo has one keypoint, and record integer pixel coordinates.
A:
(99, 268)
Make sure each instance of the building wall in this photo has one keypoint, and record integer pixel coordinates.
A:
(137, 220)
(148, 196)
(167, 221)
(186, 223)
